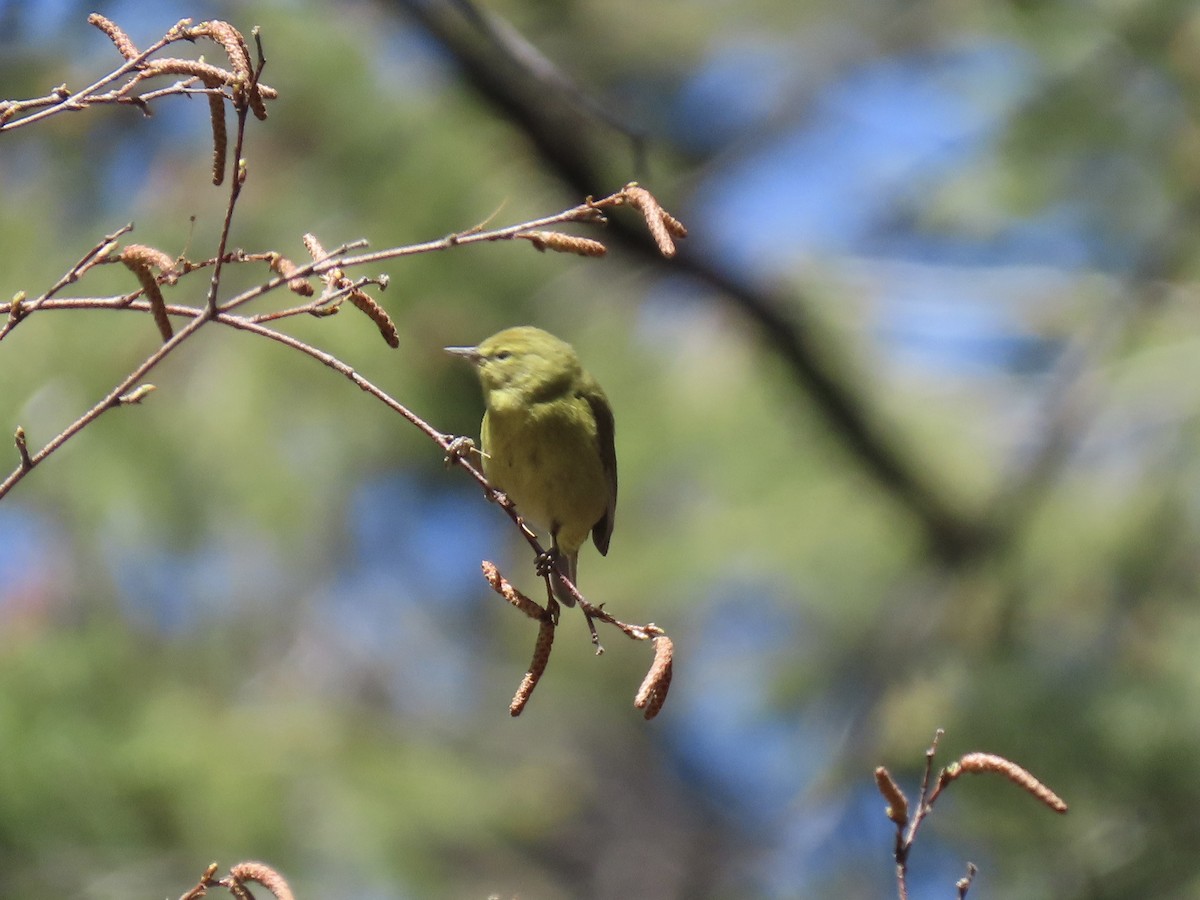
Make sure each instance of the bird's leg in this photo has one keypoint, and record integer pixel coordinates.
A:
(552, 566)
(591, 624)
(546, 566)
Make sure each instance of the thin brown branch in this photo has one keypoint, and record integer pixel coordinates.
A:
(897, 809)
(591, 211)
(63, 100)
(20, 308)
(235, 47)
(206, 881)
(136, 69)
(330, 266)
(111, 400)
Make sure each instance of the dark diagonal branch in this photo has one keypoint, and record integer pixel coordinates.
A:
(565, 135)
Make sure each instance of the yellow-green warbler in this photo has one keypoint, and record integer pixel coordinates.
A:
(547, 440)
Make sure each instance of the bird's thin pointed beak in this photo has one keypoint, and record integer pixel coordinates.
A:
(468, 353)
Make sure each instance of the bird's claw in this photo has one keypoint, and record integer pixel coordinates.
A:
(546, 563)
(457, 449)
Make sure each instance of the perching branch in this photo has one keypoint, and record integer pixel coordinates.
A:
(240, 87)
(329, 266)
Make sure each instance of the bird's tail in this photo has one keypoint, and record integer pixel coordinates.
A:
(569, 562)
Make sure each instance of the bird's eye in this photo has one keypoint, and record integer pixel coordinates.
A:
(504, 354)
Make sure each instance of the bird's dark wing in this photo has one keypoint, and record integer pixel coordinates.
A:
(605, 439)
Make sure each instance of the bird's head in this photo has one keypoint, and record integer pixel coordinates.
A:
(525, 359)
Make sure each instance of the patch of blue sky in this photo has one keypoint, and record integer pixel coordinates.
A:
(27, 542)
(726, 731)
(173, 592)
(872, 142)
(849, 182)
(408, 595)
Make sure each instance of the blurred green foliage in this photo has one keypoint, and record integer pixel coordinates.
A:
(243, 620)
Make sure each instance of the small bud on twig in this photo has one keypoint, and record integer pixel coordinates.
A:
(22, 448)
(964, 884)
(137, 395)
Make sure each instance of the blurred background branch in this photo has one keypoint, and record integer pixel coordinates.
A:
(252, 618)
(566, 126)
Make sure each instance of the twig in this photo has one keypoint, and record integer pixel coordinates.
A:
(19, 309)
(242, 108)
(111, 400)
(137, 68)
(653, 691)
(235, 882)
(64, 101)
(898, 812)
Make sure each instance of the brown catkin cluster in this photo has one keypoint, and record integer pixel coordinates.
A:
(990, 762)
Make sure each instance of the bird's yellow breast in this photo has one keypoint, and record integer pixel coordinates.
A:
(545, 456)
